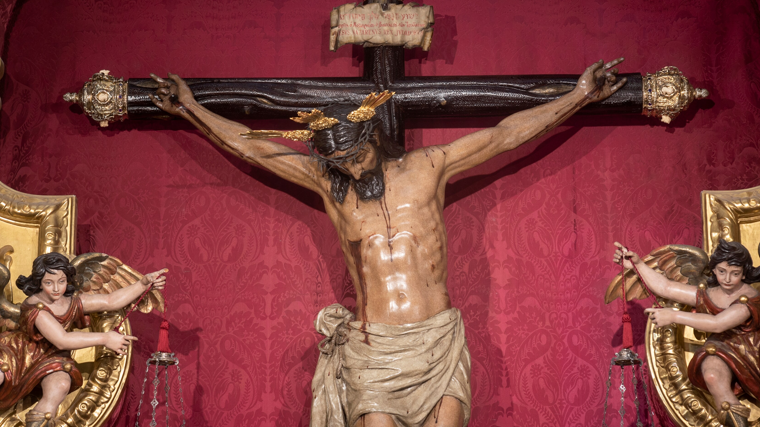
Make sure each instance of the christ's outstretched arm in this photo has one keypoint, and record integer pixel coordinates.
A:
(598, 82)
(176, 98)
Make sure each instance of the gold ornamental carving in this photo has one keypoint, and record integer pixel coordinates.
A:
(103, 97)
(730, 215)
(31, 225)
(733, 216)
(668, 92)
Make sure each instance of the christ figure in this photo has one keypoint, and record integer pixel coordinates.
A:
(402, 358)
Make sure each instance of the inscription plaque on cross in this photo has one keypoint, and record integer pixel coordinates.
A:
(663, 94)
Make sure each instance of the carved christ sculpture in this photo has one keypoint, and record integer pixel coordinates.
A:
(387, 207)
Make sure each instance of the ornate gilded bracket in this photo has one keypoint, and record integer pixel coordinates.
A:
(669, 350)
(53, 216)
(103, 97)
(667, 92)
(732, 216)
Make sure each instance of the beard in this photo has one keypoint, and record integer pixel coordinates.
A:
(371, 184)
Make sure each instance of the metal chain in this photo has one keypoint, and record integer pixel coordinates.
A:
(166, 388)
(622, 396)
(181, 396)
(154, 402)
(142, 393)
(607, 396)
(636, 396)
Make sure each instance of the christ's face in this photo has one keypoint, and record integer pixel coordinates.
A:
(53, 286)
(365, 162)
(729, 277)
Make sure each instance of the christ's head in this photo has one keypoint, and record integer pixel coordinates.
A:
(352, 154)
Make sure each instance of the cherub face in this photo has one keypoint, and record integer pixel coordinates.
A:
(53, 286)
(729, 277)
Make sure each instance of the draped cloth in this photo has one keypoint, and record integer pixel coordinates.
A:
(399, 370)
(739, 347)
(30, 357)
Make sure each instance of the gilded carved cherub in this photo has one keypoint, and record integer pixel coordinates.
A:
(59, 296)
(725, 305)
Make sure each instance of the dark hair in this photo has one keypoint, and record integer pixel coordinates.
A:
(48, 263)
(347, 135)
(734, 253)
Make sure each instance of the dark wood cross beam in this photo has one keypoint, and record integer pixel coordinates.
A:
(416, 97)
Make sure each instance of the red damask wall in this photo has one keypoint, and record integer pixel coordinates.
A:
(253, 258)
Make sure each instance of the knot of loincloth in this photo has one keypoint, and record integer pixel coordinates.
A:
(338, 337)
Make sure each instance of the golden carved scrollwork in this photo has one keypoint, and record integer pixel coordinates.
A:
(667, 93)
(31, 225)
(103, 97)
(684, 402)
(54, 216)
(730, 215)
(98, 397)
(733, 216)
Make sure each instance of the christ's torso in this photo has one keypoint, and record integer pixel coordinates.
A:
(395, 247)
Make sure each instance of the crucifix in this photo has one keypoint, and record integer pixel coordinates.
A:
(663, 94)
(402, 357)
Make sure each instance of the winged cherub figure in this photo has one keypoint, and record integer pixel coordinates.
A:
(725, 305)
(59, 296)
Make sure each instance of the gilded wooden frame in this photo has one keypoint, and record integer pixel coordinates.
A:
(729, 215)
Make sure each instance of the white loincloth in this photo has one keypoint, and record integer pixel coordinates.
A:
(403, 372)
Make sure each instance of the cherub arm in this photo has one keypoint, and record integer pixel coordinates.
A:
(729, 318)
(175, 97)
(121, 297)
(656, 282)
(597, 83)
(54, 332)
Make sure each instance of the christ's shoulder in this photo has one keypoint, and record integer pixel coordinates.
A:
(424, 160)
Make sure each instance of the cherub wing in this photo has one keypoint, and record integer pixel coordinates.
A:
(680, 263)
(99, 273)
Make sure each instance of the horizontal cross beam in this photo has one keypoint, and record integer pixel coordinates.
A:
(417, 97)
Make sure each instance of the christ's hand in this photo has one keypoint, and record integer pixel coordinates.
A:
(599, 81)
(172, 94)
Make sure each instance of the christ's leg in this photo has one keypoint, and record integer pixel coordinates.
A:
(718, 376)
(375, 419)
(447, 413)
(55, 387)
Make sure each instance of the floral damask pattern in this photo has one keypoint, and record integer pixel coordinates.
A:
(253, 258)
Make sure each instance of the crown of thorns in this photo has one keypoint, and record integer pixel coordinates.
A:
(316, 120)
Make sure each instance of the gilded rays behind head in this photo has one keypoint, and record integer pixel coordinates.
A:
(316, 119)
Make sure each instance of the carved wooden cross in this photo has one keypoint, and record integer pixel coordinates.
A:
(662, 95)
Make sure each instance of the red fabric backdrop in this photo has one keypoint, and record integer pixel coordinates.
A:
(253, 258)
